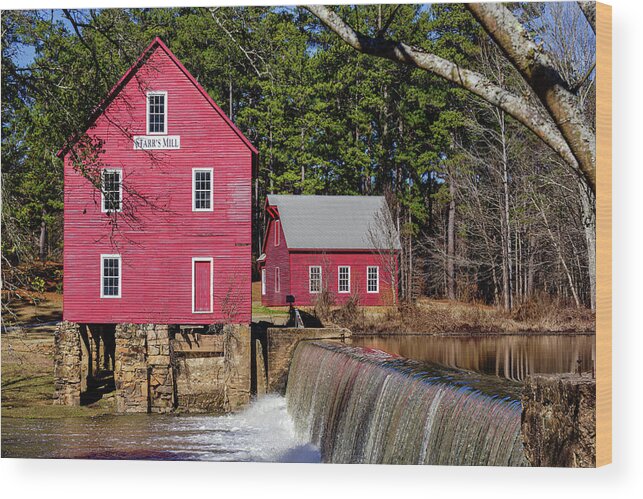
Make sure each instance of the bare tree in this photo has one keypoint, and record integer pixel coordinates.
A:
(551, 111)
(384, 237)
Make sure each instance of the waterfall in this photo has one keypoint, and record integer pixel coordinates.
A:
(366, 406)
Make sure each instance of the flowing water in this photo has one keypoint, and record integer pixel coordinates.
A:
(366, 406)
(263, 432)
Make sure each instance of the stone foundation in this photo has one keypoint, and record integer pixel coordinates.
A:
(213, 371)
(281, 344)
(130, 368)
(160, 368)
(559, 420)
(67, 364)
(237, 365)
(260, 369)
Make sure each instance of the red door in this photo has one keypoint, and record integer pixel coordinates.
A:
(202, 291)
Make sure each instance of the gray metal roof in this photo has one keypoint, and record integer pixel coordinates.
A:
(335, 222)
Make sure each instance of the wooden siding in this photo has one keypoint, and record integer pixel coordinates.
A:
(329, 262)
(158, 234)
(276, 257)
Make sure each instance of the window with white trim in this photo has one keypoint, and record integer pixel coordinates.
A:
(202, 189)
(111, 186)
(373, 279)
(277, 280)
(277, 233)
(343, 279)
(263, 281)
(156, 113)
(110, 276)
(314, 279)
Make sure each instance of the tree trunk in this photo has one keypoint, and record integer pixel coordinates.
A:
(588, 207)
(561, 257)
(303, 166)
(506, 251)
(451, 241)
(531, 271)
(271, 162)
(230, 98)
(42, 243)
(409, 294)
(562, 107)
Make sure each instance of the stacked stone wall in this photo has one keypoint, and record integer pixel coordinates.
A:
(130, 368)
(156, 370)
(160, 368)
(281, 346)
(67, 364)
(213, 371)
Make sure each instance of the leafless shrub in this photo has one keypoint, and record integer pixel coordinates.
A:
(384, 237)
(323, 303)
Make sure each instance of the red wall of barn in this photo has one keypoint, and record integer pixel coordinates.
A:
(276, 257)
(162, 234)
(329, 261)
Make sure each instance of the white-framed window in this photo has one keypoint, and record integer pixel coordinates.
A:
(202, 189)
(314, 279)
(277, 233)
(372, 279)
(111, 187)
(263, 281)
(156, 113)
(343, 279)
(110, 276)
(277, 280)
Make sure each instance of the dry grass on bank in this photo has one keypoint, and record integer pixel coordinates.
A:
(26, 307)
(446, 317)
(32, 294)
(28, 378)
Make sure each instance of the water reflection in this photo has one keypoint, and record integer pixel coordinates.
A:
(511, 356)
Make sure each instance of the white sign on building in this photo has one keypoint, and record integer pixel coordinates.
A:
(157, 142)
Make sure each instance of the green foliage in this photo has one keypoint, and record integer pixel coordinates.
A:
(325, 118)
(37, 284)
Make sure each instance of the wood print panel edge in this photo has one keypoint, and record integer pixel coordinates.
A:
(604, 234)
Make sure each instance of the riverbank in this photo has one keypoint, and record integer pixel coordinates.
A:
(28, 378)
(443, 317)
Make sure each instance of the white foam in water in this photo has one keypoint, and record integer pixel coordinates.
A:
(262, 432)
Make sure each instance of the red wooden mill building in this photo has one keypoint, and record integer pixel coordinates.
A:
(157, 257)
(342, 245)
(168, 237)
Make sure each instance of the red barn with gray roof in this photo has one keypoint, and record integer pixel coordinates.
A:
(346, 246)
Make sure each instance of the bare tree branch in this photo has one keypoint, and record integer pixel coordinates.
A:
(540, 73)
(518, 107)
(585, 77)
(589, 9)
(388, 22)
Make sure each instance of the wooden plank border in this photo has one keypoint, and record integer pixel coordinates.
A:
(603, 234)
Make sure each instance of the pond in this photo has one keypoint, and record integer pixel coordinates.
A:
(507, 356)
